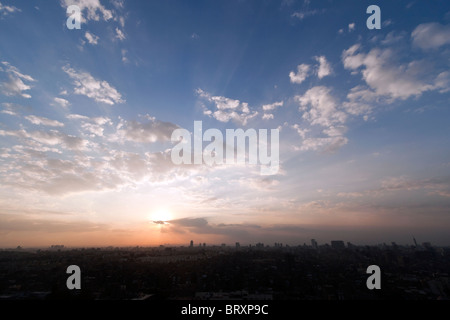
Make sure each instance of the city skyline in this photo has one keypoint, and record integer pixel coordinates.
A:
(87, 116)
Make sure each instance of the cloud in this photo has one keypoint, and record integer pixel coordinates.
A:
(359, 101)
(61, 102)
(301, 75)
(12, 108)
(91, 38)
(15, 86)
(351, 27)
(438, 186)
(270, 107)
(15, 223)
(91, 9)
(390, 79)
(87, 85)
(92, 126)
(320, 108)
(52, 138)
(44, 121)
(431, 35)
(5, 10)
(149, 132)
(124, 56)
(273, 106)
(120, 35)
(227, 109)
(324, 67)
(304, 14)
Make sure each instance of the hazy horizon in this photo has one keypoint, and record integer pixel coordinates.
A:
(87, 116)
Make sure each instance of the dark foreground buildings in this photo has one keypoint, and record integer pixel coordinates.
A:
(280, 272)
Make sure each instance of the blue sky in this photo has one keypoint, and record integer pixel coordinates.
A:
(86, 118)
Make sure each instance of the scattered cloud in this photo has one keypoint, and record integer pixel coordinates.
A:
(5, 10)
(124, 56)
(304, 14)
(227, 109)
(87, 85)
(319, 107)
(301, 75)
(149, 132)
(351, 27)
(61, 102)
(91, 9)
(120, 35)
(15, 85)
(91, 38)
(92, 126)
(324, 67)
(268, 108)
(44, 121)
(389, 79)
(431, 35)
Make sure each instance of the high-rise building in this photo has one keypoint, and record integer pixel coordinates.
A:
(314, 243)
(192, 244)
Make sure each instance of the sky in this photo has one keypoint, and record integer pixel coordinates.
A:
(87, 116)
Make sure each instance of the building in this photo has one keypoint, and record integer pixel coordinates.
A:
(338, 244)
(314, 243)
(192, 244)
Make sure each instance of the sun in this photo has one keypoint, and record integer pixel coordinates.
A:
(161, 215)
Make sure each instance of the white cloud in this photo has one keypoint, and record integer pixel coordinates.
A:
(431, 35)
(5, 10)
(91, 9)
(120, 35)
(301, 132)
(227, 109)
(359, 101)
(87, 85)
(91, 38)
(149, 132)
(301, 75)
(44, 121)
(320, 108)
(303, 14)
(15, 86)
(273, 106)
(270, 107)
(61, 102)
(52, 138)
(93, 126)
(124, 56)
(327, 144)
(324, 67)
(351, 27)
(389, 79)
(268, 116)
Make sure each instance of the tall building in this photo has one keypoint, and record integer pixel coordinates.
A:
(192, 244)
(238, 245)
(314, 243)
